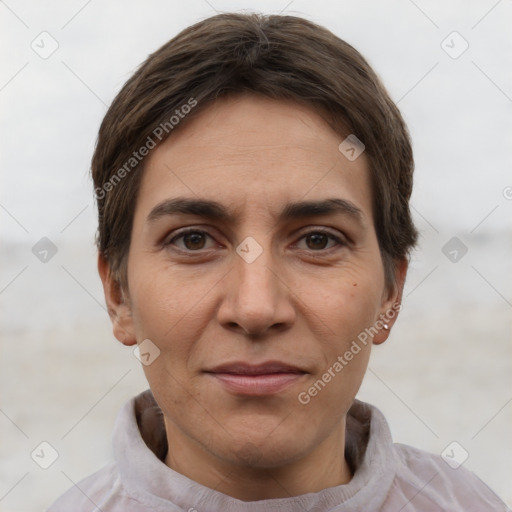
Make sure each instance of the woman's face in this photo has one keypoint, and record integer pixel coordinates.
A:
(250, 293)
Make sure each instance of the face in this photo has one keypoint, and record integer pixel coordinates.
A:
(253, 266)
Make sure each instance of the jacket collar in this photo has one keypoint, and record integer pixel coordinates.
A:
(140, 447)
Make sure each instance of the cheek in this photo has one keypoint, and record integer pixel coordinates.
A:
(171, 310)
(346, 304)
(345, 312)
(161, 299)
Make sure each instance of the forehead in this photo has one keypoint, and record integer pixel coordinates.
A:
(251, 151)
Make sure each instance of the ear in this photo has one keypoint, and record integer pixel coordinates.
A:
(118, 305)
(391, 303)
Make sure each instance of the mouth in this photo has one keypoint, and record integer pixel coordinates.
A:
(256, 380)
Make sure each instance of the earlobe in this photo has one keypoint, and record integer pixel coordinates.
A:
(118, 307)
(392, 304)
(383, 333)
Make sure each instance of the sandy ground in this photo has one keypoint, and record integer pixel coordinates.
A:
(443, 376)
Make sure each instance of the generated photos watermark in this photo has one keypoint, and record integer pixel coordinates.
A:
(157, 135)
(365, 336)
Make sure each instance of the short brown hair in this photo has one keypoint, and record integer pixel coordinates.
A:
(281, 57)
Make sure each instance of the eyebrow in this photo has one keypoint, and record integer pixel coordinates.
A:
(213, 210)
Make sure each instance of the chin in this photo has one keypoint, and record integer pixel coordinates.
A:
(263, 454)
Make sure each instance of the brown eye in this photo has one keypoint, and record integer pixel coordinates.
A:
(317, 241)
(194, 241)
(320, 240)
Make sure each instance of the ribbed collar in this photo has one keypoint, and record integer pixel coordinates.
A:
(140, 445)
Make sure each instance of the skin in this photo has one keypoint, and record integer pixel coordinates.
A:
(303, 300)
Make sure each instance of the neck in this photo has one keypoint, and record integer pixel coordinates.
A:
(250, 483)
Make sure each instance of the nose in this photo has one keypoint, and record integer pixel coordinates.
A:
(256, 298)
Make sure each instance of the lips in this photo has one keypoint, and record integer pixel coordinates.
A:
(262, 379)
(268, 368)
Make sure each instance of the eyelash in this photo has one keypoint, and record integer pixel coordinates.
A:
(181, 234)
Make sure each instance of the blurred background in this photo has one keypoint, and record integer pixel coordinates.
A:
(444, 375)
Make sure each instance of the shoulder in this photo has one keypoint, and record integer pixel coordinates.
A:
(92, 493)
(426, 482)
